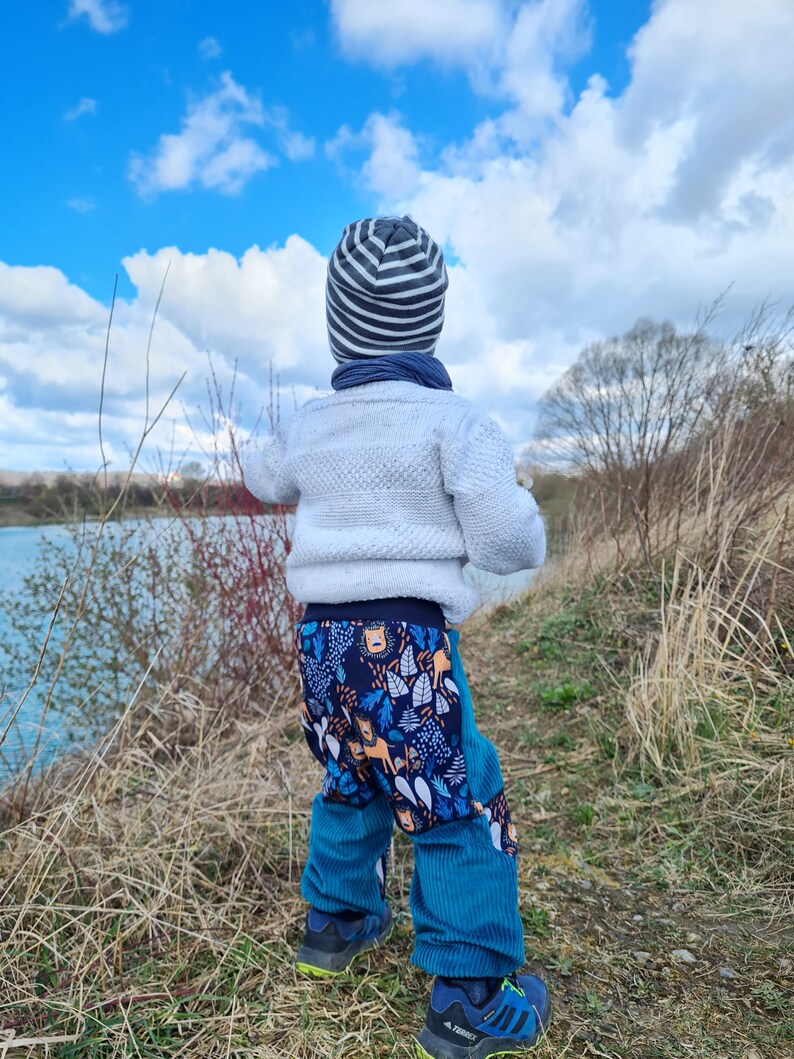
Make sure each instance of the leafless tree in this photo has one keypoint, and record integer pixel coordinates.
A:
(627, 406)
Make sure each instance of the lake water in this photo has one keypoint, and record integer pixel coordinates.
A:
(19, 549)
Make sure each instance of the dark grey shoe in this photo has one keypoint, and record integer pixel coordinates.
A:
(330, 943)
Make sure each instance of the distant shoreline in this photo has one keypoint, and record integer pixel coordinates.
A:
(12, 517)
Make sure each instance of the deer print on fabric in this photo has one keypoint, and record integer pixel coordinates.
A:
(441, 661)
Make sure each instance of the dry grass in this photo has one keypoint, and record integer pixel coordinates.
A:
(150, 904)
(710, 708)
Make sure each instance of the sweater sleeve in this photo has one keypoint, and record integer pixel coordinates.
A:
(500, 520)
(264, 471)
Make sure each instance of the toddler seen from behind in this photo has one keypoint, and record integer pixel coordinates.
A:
(398, 483)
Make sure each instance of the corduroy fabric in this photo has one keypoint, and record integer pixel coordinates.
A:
(345, 846)
(464, 894)
(385, 290)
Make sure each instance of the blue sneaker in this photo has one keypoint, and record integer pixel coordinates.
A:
(509, 1020)
(330, 943)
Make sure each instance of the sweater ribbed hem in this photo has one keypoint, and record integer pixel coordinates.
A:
(354, 580)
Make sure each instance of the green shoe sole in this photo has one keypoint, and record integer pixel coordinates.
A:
(318, 964)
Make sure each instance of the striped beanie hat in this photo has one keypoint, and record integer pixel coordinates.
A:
(385, 290)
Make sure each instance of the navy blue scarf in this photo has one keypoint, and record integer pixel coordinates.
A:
(420, 368)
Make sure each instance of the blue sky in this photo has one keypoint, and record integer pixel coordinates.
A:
(71, 203)
(583, 162)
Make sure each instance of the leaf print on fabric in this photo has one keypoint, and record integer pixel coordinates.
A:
(315, 707)
(372, 699)
(456, 773)
(400, 693)
(408, 663)
(333, 769)
(423, 692)
(423, 792)
(333, 745)
(347, 784)
(418, 634)
(410, 720)
(385, 713)
(320, 730)
(404, 787)
(397, 686)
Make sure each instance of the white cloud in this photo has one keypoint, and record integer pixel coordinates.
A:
(568, 219)
(295, 145)
(543, 34)
(52, 340)
(509, 49)
(210, 48)
(214, 148)
(564, 220)
(266, 306)
(298, 147)
(408, 31)
(211, 150)
(391, 166)
(736, 91)
(85, 106)
(103, 16)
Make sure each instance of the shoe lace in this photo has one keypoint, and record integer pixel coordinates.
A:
(511, 981)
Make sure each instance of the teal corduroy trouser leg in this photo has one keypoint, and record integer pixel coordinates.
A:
(464, 894)
(347, 856)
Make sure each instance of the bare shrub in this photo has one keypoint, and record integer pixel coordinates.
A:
(685, 453)
(193, 602)
(673, 434)
(236, 548)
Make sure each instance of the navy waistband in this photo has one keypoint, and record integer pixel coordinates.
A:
(396, 608)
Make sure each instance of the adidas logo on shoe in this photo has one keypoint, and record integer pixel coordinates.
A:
(508, 1022)
(461, 1031)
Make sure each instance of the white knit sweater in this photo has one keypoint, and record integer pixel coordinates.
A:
(397, 486)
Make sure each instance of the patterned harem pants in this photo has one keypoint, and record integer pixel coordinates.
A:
(388, 713)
